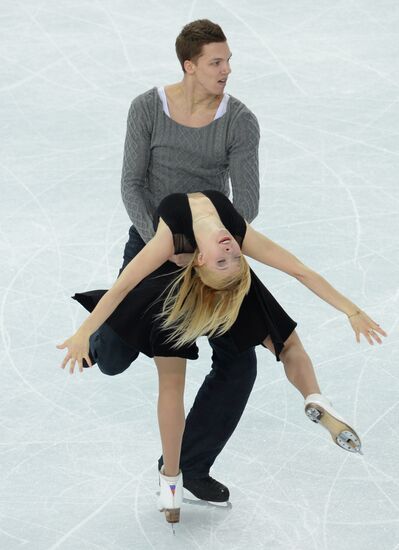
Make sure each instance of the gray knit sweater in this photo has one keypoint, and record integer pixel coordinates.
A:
(163, 157)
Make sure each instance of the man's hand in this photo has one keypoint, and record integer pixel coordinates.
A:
(181, 260)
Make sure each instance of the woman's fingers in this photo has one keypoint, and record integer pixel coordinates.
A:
(72, 365)
(181, 259)
(77, 350)
(377, 328)
(372, 331)
(368, 337)
(65, 361)
(80, 363)
(373, 334)
(85, 358)
(73, 359)
(373, 326)
(363, 324)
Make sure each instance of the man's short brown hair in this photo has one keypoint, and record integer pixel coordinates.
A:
(194, 36)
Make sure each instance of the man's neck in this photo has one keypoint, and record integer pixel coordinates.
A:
(191, 98)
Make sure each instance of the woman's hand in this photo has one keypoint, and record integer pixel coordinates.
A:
(363, 324)
(78, 349)
(181, 260)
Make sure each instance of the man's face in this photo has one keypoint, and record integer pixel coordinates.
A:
(213, 67)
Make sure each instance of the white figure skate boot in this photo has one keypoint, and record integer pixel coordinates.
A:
(171, 496)
(320, 410)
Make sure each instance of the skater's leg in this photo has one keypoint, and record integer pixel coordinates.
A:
(299, 370)
(216, 410)
(297, 364)
(171, 376)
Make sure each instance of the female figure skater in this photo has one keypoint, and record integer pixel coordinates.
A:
(161, 314)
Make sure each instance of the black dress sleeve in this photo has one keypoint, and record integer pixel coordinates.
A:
(174, 210)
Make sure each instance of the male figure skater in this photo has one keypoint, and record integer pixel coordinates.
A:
(187, 137)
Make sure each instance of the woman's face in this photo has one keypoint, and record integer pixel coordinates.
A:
(221, 253)
(212, 68)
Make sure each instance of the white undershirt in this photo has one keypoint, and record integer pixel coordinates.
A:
(220, 112)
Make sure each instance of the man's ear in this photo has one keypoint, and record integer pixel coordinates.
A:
(189, 66)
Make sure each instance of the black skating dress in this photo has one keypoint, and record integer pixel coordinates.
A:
(134, 319)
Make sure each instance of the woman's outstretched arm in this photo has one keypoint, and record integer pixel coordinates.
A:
(262, 249)
(153, 255)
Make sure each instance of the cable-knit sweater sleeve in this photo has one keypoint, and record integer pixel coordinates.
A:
(244, 164)
(136, 157)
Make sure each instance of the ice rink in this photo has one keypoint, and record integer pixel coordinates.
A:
(78, 453)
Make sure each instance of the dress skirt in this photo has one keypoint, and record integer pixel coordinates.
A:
(135, 319)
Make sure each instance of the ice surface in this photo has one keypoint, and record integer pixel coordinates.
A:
(78, 454)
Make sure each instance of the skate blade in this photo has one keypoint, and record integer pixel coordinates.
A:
(189, 498)
(342, 434)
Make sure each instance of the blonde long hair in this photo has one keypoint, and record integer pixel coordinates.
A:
(200, 302)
